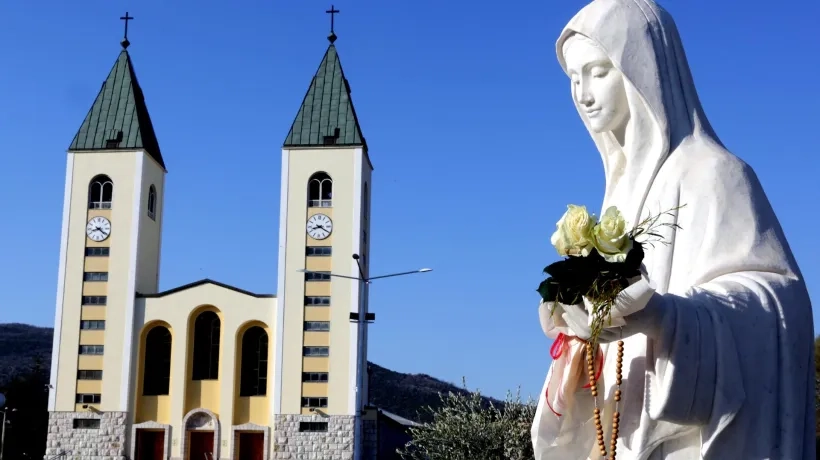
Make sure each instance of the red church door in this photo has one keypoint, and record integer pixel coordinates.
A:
(251, 446)
(201, 445)
(150, 445)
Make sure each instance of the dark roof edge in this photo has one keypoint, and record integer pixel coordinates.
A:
(352, 106)
(394, 418)
(202, 282)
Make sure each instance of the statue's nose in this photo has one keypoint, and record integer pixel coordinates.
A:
(586, 97)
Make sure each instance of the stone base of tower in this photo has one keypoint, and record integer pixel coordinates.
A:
(69, 434)
(295, 440)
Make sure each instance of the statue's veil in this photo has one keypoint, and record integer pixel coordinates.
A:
(642, 41)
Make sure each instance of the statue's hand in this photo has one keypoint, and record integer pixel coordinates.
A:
(577, 320)
(632, 299)
(639, 310)
(549, 313)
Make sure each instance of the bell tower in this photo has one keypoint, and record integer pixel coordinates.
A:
(109, 250)
(324, 220)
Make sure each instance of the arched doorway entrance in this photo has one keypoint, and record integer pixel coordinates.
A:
(202, 433)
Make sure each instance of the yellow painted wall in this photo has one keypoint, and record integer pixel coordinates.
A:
(89, 386)
(92, 337)
(317, 288)
(153, 408)
(96, 264)
(202, 394)
(314, 364)
(317, 339)
(89, 362)
(315, 263)
(316, 314)
(314, 389)
(95, 288)
(252, 409)
(92, 313)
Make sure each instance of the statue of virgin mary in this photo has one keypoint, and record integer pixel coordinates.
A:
(718, 333)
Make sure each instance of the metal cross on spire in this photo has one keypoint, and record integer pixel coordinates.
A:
(125, 41)
(332, 12)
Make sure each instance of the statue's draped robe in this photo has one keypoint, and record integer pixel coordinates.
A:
(731, 375)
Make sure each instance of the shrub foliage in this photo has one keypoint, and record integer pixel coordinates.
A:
(467, 427)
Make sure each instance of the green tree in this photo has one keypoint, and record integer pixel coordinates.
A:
(466, 427)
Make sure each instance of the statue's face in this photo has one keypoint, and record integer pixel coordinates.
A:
(597, 85)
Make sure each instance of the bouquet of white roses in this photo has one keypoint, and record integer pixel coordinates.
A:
(601, 257)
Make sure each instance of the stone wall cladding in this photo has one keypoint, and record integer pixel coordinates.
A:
(335, 444)
(105, 443)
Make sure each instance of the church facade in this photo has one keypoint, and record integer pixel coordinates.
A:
(209, 371)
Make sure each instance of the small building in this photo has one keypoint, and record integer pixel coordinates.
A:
(385, 433)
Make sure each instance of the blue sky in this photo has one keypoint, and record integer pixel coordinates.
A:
(471, 129)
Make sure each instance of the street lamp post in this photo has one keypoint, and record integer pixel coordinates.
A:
(367, 318)
(5, 411)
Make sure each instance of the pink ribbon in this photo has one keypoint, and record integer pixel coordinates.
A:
(568, 348)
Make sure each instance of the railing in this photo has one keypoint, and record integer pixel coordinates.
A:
(99, 205)
(320, 203)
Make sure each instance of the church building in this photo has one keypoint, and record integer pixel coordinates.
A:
(208, 371)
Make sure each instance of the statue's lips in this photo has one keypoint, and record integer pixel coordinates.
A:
(592, 113)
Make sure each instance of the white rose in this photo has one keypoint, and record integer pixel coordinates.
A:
(610, 236)
(574, 232)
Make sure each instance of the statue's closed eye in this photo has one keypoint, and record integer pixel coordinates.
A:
(600, 72)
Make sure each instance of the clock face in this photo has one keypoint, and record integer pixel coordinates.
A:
(319, 226)
(98, 229)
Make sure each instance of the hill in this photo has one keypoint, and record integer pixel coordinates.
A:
(402, 394)
(20, 346)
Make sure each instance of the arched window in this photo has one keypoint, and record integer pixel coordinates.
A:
(320, 191)
(100, 192)
(152, 202)
(254, 370)
(157, 371)
(206, 346)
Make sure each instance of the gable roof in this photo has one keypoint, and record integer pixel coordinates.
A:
(327, 109)
(202, 282)
(119, 118)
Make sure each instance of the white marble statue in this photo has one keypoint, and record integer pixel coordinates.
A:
(719, 353)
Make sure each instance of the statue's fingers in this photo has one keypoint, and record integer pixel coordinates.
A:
(579, 328)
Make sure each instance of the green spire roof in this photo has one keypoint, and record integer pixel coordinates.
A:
(119, 118)
(327, 116)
